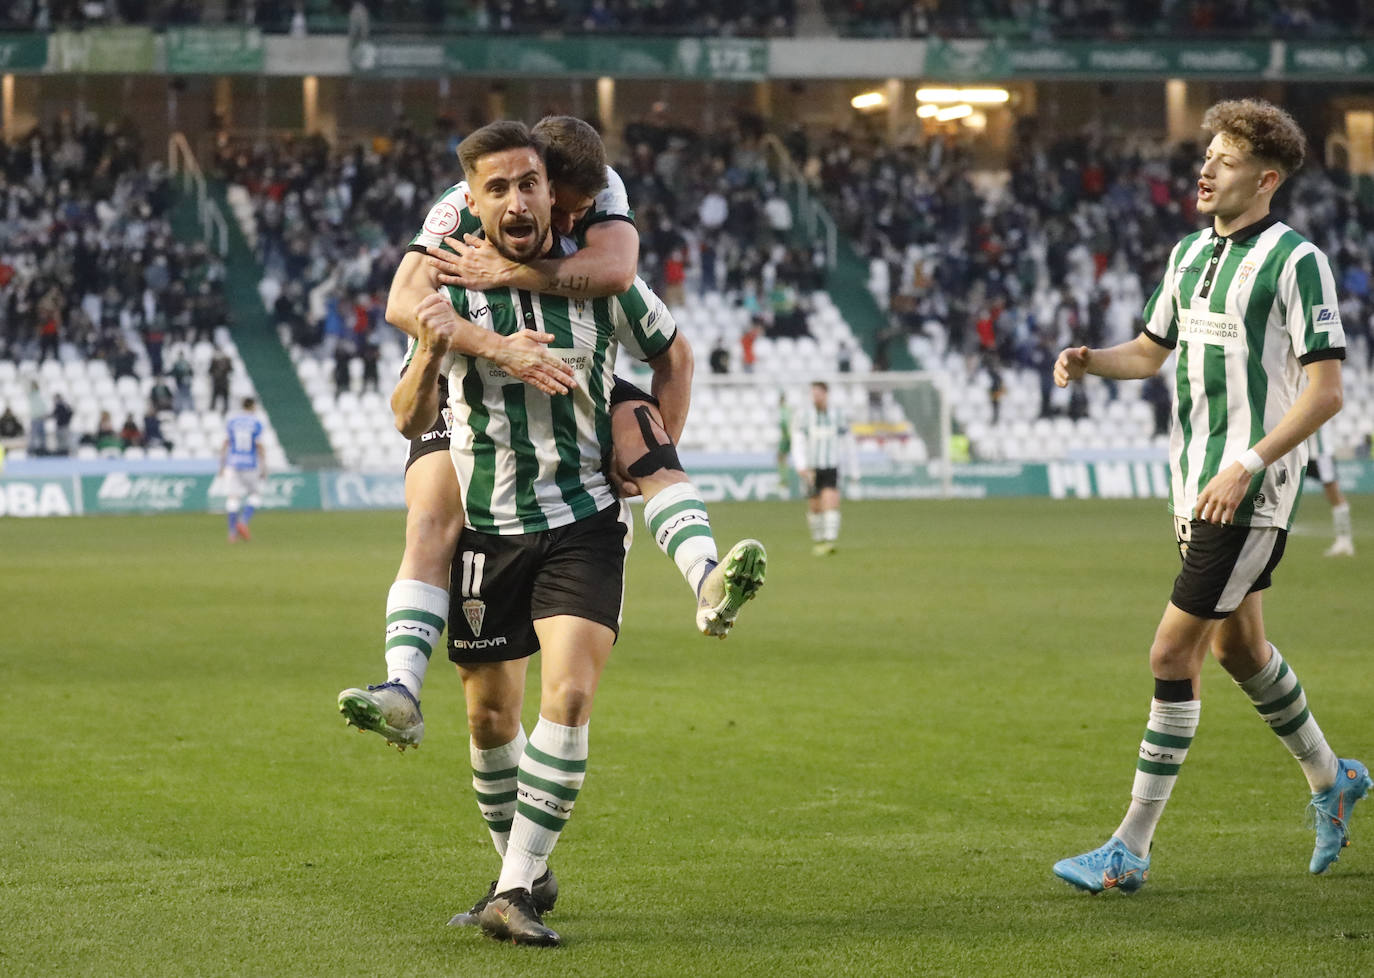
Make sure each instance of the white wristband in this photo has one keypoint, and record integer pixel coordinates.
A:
(1251, 461)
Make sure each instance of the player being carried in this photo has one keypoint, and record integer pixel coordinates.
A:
(591, 206)
(1250, 306)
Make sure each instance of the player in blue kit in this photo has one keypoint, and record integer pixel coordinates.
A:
(242, 466)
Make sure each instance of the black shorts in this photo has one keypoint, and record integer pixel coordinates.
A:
(501, 584)
(436, 439)
(824, 479)
(623, 390)
(1222, 564)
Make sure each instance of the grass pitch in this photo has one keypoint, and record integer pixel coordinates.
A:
(872, 776)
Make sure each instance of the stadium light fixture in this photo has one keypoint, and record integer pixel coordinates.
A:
(985, 96)
(954, 112)
(976, 120)
(973, 96)
(869, 100)
(938, 95)
(927, 110)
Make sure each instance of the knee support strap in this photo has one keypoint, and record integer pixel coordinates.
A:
(661, 455)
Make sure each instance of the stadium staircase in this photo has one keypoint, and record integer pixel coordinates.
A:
(274, 376)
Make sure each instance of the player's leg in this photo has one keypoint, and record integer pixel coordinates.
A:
(1273, 687)
(491, 639)
(830, 514)
(550, 774)
(252, 499)
(1344, 543)
(574, 607)
(676, 516)
(233, 501)
(1212, 582)
(815, 519)
(417, 603)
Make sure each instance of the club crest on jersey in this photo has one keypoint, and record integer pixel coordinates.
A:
(1247, 268)
(475, 611)
(579, 307)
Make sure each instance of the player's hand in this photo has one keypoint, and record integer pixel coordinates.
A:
(437, 322)
(1219, 499)
(624, 486)
(525, 355)
(472, 264)
(1072, 364)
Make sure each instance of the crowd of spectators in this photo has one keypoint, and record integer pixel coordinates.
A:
(91, 270)
(88, 257)
(1033, 19)
(360, 18)
(1061, 249)
(332, 226)
(1097, 20)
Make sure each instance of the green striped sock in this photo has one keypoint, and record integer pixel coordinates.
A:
(1281, 703)
(1168, 735)
(551, 773)
(493, 779)
(676, 517)
(415, 617)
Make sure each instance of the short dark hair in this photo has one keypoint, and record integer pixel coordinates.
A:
(496, 137)
(576, 155)
(1272, 134)
(248, 403)
(821, 384)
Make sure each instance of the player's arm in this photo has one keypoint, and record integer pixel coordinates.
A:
(523, 355)
(672, 384)
(604, 266)
(1133, 360)
(415, 401)
(1318, 403)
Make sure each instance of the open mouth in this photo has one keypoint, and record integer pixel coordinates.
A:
(519, 230)
(1204, 190)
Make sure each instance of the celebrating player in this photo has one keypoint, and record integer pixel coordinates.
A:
(540, 562)
(1250, 306)
(243, 467)
(590, 204)
(822, 434)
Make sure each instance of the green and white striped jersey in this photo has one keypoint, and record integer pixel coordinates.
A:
(822, 438)
(527, 461)
(449, 214)
(1246, 312)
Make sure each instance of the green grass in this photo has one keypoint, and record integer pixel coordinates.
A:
(871, 777)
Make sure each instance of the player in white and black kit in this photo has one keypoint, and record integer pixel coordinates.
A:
(591, 207)
(1322, 467)
(823, 450)
(1250, 307)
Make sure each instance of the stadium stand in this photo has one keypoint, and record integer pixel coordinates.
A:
(1034, 19)
(986, 276)
(100, 301)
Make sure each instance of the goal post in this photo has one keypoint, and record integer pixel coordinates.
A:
(900, 422)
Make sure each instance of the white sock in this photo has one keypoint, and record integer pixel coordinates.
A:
(1168, 735)
(551, 773)
(676, 517)
(830, 525)
(815, 523)
(415, 617)
(1281, 703)
(1340, 520)
(493, 779)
